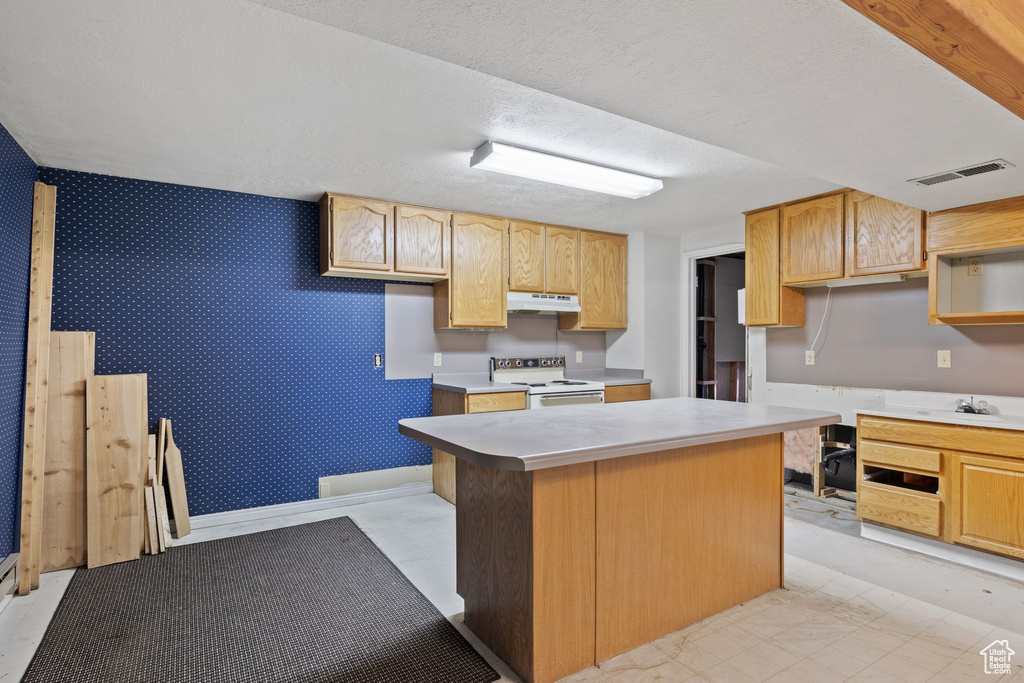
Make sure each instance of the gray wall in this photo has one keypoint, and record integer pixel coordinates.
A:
(878, 337)
(730, 336)
(410, 339)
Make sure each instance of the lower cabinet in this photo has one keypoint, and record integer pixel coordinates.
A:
(456, 403)
(988, 502)
(913, 477)
(627, 392)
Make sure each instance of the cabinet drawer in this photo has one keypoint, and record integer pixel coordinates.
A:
(919, 513)
(899, 457)
(627, 392)
(493, 403)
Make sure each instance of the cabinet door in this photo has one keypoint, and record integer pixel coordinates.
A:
(526, 257)
(882, 236)
(361, 234)
(479, 271)
(421, 241)
(812, 240)
(988, 501)
(602, 281)
(562, 260)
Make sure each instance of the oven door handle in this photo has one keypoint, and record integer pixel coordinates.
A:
(553, 397)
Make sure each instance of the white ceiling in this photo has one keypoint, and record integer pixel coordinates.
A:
(234, 95)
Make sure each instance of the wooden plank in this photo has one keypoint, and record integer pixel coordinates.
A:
(161, 446)
(918, 513)
(163, 523)
(627, 392)
(152, 541)
(72, 359)
(679, 539)
(116, 442)
(37, 361)
(980, 41)
(495, 403)
(176, 485)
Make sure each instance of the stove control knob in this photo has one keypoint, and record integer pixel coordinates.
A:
(519, 363)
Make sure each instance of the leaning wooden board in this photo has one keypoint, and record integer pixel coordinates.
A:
(176, 485)
(37, 362)
(72, 361)
(116, 453)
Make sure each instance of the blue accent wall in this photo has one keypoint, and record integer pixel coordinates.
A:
(264, 367)
(17, 174)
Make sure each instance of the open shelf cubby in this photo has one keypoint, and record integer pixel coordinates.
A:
(905, 480)
(984, 287)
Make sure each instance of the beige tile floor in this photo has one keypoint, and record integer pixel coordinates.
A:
(824, 626)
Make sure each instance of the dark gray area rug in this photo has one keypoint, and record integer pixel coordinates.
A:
(311, 603)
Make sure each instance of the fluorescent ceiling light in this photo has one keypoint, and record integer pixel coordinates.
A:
(868, 280)
(526, 163)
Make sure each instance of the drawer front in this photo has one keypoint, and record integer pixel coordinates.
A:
(493, 403)
(919, 513)
(627, 392)
(981, 439)
(899, 457)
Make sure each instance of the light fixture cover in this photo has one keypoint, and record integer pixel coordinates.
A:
(867, 280)
(527, 163)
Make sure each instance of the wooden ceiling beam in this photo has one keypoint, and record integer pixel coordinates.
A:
(980, 41)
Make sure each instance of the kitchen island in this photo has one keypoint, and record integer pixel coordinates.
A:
(586, 531)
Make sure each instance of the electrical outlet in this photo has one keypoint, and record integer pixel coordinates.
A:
(437, 360)
(975, 265)
(325, 489)
(579, 356)
(808, 357)
(378, 360)
(945, 360)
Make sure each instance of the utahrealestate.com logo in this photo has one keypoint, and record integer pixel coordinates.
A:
(997, 657)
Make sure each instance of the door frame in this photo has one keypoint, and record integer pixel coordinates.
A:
(688, 325)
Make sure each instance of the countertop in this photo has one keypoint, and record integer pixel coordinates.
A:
(536, 439)
(480, 382)
(1015, 422)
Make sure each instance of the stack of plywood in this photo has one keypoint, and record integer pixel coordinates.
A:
(92, 478)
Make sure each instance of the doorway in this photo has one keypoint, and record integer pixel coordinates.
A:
(713, 327)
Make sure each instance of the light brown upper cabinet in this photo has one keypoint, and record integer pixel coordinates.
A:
(356, 236)
(768, 302)
(562, 260)
(812, 240)
(422, 241)
(603, 258)
(882, 236)
(475, 293)
(378, 239)
(526, 257)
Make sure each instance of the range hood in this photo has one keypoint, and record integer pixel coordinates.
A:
(525, 302)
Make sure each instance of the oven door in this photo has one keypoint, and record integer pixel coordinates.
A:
(567, 398)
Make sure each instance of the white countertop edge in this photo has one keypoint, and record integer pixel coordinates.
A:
(539, 462)
(914, 413)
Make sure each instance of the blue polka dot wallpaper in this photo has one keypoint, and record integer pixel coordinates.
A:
(264, 367)
(17, 175)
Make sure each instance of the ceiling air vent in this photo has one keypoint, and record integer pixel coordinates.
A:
(965, 172)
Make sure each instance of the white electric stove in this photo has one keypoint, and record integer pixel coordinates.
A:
(545, 382)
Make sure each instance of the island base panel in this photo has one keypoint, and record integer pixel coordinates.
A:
(684, 534)
(566, 567)
(525, 565)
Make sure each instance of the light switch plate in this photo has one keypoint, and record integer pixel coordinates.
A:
(579, 356)
(808, 357)
(437, 360)
(945, 359)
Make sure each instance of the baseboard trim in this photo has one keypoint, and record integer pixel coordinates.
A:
(993, 564)
(249, 514)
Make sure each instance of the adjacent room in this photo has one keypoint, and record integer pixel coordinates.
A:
(418, 342)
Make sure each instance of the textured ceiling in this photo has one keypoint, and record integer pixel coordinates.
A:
(808, 85)
(233, 95)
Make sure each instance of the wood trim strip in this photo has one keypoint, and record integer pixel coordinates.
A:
(37, 363)
(979, 41)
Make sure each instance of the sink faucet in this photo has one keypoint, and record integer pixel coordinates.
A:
(965, 406)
